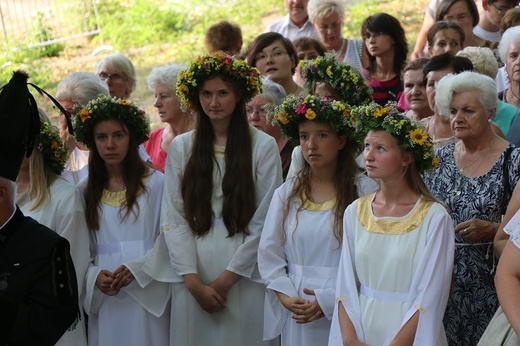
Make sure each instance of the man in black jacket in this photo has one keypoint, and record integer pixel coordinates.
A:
(38, 289)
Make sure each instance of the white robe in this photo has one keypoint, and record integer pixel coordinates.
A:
(392, 267)
(241, 322)
(302, 254)
(65, 214)
(120, 319)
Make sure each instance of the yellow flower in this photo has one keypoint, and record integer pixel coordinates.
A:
(183, 89)
(54, 145)
(418, 136)
(329, 71)
(125, 102)
(84, 115)
(435, 162)
(310, 114)
(380, 112)
(282, 118)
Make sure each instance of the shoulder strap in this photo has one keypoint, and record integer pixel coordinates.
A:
(505, 178)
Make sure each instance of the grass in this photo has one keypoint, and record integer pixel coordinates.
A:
(154, 32)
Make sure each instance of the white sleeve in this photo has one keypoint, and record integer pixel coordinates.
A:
(296, 162)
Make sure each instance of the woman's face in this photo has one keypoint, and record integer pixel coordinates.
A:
(329, 29)
(460, 14)
(415, 91)
(218, 100)
(112, 141)
(320, 144)
(431, 78)
(256, 116)
(379, 43)
(513, 62)
(325, 90)
(467, 116)
(274, 61)
(167, 103)
(116, 81)
(383, 158)
(445, 41)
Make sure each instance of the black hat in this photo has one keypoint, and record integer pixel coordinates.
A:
(19, 124)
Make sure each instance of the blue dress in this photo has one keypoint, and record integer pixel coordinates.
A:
(473, 300)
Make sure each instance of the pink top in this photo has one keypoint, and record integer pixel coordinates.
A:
(153, 148)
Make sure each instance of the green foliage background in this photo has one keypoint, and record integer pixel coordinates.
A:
(155, 32)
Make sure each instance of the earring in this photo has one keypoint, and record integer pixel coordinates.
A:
(490, 120)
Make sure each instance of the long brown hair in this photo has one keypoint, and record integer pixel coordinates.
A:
(134, 170)
(344, 182)
(237, 184)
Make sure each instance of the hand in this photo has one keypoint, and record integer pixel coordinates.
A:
(303, 310)
(122, 277)
(104, 281)
(476, 230)
(416, 55)
(208, 298)
(223, 283)
(69, 140)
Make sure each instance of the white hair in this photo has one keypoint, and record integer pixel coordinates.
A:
(319, 9)
(80, 88)
(511, 35)
(466, 81)
(273, 92)
(483, 60)
(166, 75)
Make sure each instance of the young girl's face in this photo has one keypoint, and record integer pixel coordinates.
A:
(218, 99)
(383, 158)
(112, 141)
(320, 144)
(445, 41)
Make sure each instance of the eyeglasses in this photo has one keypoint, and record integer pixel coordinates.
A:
(501, 9)
(332, 26)
(69, 110)
(367, 36)
(461, 18)
(116, 78)
(260, 111)
(275, 54)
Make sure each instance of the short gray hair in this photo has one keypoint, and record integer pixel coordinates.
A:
(511, 35)
(273, 92)
(318, 9)
(166, 75)
(120, 63)
(80, 88)
(466, 81)
(483, 60)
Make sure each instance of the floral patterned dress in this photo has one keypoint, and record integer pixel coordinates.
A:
(473, 300)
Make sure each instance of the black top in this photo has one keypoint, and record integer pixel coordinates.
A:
(38, 288)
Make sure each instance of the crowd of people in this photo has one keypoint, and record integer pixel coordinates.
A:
(308, 189)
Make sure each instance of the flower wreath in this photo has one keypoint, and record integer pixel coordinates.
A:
(104, 108)
(342, 77)
(295, 110)
(205, 67)
(52, 147)
(410, 134)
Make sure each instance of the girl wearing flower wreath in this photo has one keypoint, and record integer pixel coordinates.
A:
(219, 181)
(326, 77)
(52, 201)
(123, 198)
(299, 250)
(397, 252)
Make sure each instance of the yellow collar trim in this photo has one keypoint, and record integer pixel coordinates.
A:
(220, 150)
(116, 199)
(311, 206)
(392, 226)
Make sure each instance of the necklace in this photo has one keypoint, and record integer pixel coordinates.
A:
(481, 156)
(512, 92)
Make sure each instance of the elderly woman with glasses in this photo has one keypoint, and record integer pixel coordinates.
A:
(275, 57)
(118, 72)
(387, 49)
(474, 180)
(256, 109)
(328, 17)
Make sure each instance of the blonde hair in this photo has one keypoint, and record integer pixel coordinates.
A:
(319, 9)
(41, 176)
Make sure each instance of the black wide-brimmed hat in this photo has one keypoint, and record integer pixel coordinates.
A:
(19, 123)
